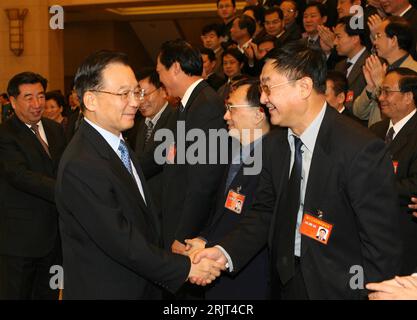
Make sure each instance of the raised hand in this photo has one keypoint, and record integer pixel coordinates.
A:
(376, 70)
(399, 288)
(373, 23)
(326, 37)
(214, 254)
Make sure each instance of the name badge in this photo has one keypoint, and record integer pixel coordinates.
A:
(234, 201)
(316, 228)
(395, 165)
(349, 96)
(172, 151)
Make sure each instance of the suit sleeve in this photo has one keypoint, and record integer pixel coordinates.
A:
(407, 186)
(95, 206)
(374, 199)
(14, 165)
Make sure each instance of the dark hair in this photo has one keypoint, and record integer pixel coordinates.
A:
(351, 32)
(407, 82)
(400, 27)
(235, 53)
(293, 2)
(296, 60)
(248, 23)
(340, 83)
(24, 78)
(258, 12)
(151, 75)
(182, 52)
(5, 96)
(273, 10)
(209, 53)
(57, 96)
(89, 75)
(233, 3)
(319, 6)
(266, 38)
(253, 96)
(321, 229)
(213, 27)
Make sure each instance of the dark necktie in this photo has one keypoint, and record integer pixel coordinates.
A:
(233, 170)
(182, 113)
(348, 65)
(311, 42)
(35, 129)
(148, 133)
(124, 156)
(285, 246)
(390, 135)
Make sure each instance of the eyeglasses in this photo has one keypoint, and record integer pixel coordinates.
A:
(124, 96)
(267, 89)
(229, 106)
(144, 95)
(377, 36)
(385, 91)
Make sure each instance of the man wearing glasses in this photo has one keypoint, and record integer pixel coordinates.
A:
(325, 171)
(397, 97)
(111, 233)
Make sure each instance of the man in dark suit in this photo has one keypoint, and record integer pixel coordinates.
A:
(111, 235)
(323, 171)
(189, 188)
(156, 113)
(75, 116)
(291, 12)
(30, 149)
(398, 100)
(248, 126)
(350, 43)
(209, 68)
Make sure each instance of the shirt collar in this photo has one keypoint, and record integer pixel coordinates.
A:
(244, 46)
(110, 138)
(155, 119)
(309, 136)
(400, 124)
(406, 10)
(188, 92)
(356, 56)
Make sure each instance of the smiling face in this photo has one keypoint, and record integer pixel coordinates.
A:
(311, 19)
(153, 101)
(231, 66)
(30, 103)
(52, 110)
(284, 101)
(112, 112)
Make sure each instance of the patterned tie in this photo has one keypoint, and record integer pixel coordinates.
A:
(233, 170)
(148, 133)
(390, 135)
(35, 129)
(285, 261)
(124, 156)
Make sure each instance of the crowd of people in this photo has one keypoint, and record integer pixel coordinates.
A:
(322, 93)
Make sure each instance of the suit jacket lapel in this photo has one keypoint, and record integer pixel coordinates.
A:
(401, 138)
(357, 68)
(53, 142)
(318, 178)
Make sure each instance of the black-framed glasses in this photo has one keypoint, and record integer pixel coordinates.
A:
(124, 96)
(385, 91)
(267, 89)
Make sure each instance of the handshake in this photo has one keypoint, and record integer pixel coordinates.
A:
(206, 263)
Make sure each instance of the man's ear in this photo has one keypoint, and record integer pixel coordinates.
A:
(13, 102)
(90, 101)
(176, 68)
(306, 87)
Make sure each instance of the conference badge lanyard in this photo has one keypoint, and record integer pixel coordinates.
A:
(235, 200)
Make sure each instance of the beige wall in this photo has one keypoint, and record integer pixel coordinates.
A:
(42, 49)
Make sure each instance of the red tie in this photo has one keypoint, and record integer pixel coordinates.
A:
(35, 129)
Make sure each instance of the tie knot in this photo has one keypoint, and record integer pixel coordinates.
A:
(35, 128)
(348, 65)
(181, 106)
(297, 143)
(122, 147)
(150, 125)
(390, 135)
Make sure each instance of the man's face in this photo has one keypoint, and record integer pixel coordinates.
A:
(343, 8)
(225, 9)
(231, 66)
(393, 104)
(115, 113)
(311, 19)
(345, 45)
(30, 103)
(332, 99)
(236, 33)
(289, 11)
(210, 40)
(382, 43)
(394, 7)
(167, 77)
(264, 48)
(242, 116)
(273, 24)
(52, 110)
(284, 100)
(153, 100)
(208, 66)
